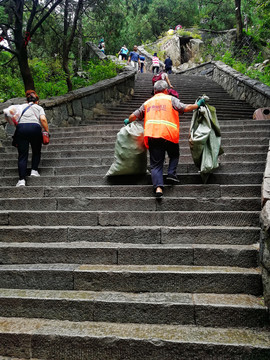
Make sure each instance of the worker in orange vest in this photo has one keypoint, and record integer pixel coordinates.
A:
(161, 132)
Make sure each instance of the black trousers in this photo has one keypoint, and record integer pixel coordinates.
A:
(157, 149)
(28, 134)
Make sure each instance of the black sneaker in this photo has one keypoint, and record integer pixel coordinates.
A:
(159, 195)
(172, 179)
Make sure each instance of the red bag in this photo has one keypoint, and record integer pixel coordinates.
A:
(156, 78)
(173, 92)
(45, 138)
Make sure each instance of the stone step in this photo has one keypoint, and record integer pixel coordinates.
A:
(107, 159)
(226, 137)
(82, 192)
(239, 146)
(189, 168)
(230, 125)
(235, 310)
(245, 256)
(58, 340)
(83, 180)
(131, 218)
(223, 113)
(84, 150)
(133, 278)
(253, 125)
(145, 203)
(204, 234)
(78, 249)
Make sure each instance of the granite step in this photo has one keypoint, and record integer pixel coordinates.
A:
(245, 256)
(204, 234)
(236, 178)
(58, 340)
(107, 159)
(145, 203)
(183, 168)
(133, 278)
(206, 310)
(232, 125)
(131, 218)
(80, 151)
(80, 192)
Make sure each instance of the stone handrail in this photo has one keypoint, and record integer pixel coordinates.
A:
(265, 231)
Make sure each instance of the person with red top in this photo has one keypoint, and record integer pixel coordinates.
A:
(155, 64)
(161, 132)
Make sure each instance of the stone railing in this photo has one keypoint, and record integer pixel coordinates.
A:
(239, 86)
(265, 232)
(80, 107)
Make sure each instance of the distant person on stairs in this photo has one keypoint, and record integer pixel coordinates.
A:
(28, 131)
(134, 58)
(161, 132)
(155, 64)
(168, 65)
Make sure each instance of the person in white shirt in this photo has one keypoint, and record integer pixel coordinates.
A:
(29, 131)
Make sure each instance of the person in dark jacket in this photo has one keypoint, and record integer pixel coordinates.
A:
(168, 65)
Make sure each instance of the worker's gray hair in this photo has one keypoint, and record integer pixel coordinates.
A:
(160, 86)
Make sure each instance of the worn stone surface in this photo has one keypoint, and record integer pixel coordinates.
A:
(57, 340)
(198, 245)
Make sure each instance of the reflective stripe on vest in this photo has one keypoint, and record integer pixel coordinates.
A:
(161, 120)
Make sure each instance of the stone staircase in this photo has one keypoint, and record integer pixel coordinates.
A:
(96, 268)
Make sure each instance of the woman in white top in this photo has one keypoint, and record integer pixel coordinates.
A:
(29, 131)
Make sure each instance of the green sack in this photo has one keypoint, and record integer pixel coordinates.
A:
(205, 140)
(130, 154)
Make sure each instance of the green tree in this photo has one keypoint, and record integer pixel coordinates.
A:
(19, 26)
(257, 13)
(217, 14)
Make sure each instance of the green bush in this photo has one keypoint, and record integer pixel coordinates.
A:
(49, 78)
(11, 84)
(239, 61)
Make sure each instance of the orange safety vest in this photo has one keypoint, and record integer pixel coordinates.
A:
(161, 120)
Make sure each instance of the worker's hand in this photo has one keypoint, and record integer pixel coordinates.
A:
(126, 122)
(201, 102)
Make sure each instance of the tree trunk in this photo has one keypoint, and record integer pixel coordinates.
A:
(66, 70)
(239, 23)
(25, 70)
(80, 46)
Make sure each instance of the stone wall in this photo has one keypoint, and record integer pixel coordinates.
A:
(265, 232)
(80, 107)
(236, 84)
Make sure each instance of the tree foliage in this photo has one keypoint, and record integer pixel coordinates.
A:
(22, 20)
(54, 31)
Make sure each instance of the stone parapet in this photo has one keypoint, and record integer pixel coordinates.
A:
(80, 107)
(265, 231)
(239, 86)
